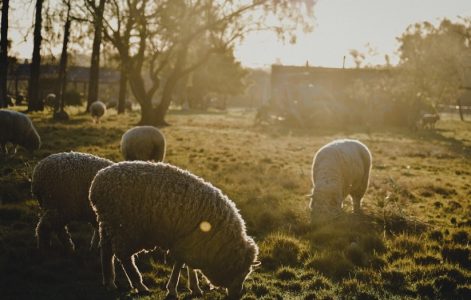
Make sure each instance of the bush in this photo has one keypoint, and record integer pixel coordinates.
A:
(282, 250)
(72, 98)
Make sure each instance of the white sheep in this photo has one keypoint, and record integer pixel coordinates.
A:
(340, 168)
(97, 110)
(60, 182)
(141, 205)
(143, 143)
(17, 129)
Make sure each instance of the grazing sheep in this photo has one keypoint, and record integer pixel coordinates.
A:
(141, 205)
(143, 143)
(16, 128)
(60, 183)
(97, 110)
(51, 101)
(340, 168)
(429, 120)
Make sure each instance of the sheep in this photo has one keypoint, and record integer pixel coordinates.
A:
(339, 169)
(429, 120)
(16, 128)
(141, 205)
(60, 182)
(97, 110)
(143, 143)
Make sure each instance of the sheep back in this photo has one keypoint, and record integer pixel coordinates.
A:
(142, 205)
(340, 167)
(97, 109)
(17, 128)
(61, 182)
(143, 143)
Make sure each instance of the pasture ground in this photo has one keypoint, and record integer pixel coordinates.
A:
(413, 240)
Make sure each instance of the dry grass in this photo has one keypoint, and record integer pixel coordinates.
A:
(412, 242)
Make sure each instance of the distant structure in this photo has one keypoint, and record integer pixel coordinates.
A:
(77, 79)
(290, 82)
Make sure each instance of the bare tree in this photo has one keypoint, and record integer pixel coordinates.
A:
(59, 112)
(158, 37)
(97, 13)
(4, 54)
(35, 102)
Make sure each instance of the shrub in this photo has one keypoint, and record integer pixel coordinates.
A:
(285, 273)
(282, 250)
(72, 98)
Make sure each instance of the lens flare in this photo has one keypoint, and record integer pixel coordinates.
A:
(205, 226)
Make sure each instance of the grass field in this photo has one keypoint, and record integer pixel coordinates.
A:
(413, 240)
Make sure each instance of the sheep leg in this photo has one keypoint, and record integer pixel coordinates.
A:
(43, 232)
(358, 194)
(65, 238)
(132, 273)
(107, 262)
(173, 281)
(193, 283)
(94, 241)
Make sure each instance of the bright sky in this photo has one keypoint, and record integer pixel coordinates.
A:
(341, 25)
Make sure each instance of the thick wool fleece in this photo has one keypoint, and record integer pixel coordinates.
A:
(17, 128)
(143, 143)
(141, 205)
(340, 168)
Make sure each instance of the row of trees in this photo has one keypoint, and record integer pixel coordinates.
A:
(159, 43)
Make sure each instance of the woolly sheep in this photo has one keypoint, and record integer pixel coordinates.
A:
(429, 120)
(340, 168)
(16, 128)
(60, 183)
(97, 110)
(143, 143)
(141, 205)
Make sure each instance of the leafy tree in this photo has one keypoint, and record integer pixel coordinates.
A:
(431, 59)
(221, 75)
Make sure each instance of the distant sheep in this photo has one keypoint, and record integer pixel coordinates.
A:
(16, 128)
(143, 143)
(340, 168)
(429, 120)
(61, 183)
(141, 205)
(97, 110)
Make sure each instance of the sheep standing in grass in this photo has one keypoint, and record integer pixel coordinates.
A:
(340, 168)
(143, 143)
(60, 183)
(97, 110)
(16, 128)
(141, 205)
(429, 120)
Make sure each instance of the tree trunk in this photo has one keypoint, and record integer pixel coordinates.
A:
(63, 62)
(35, 101)
(4, 54)
(123, 82)
(460, 108)
(95, 59)
(159, 113)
